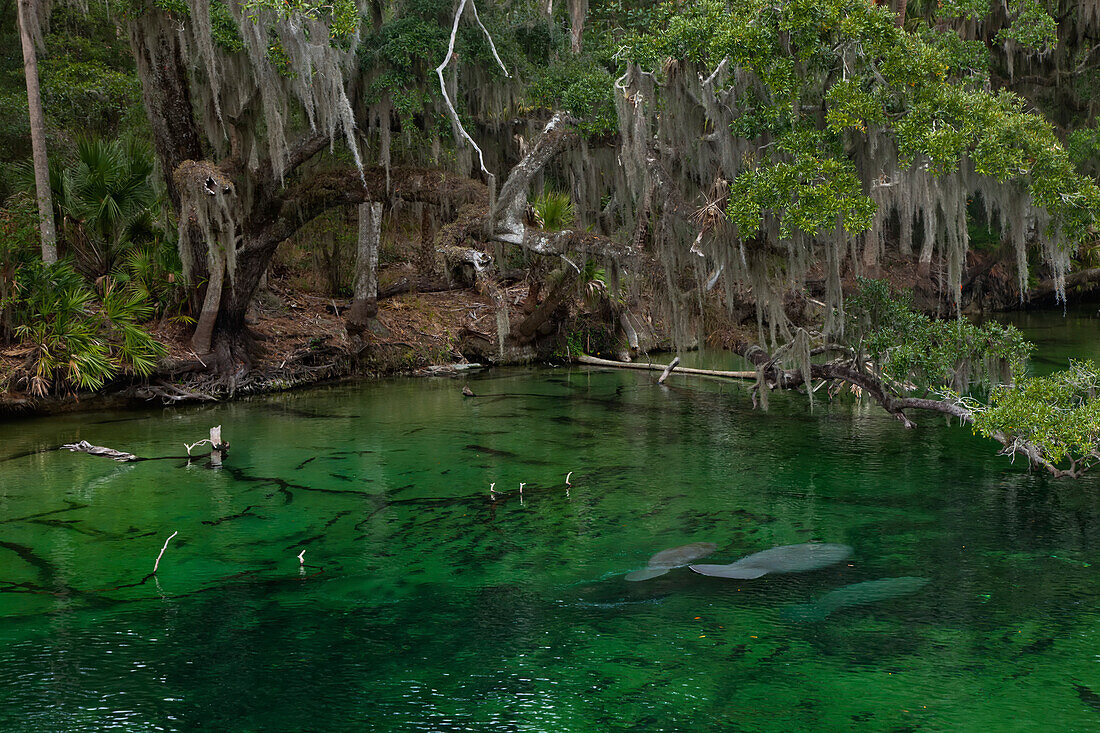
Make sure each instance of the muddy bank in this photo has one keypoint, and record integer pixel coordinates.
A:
(300, 341)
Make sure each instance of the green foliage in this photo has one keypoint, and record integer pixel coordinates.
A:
(570, 348)
(918, 353)
(81, 339)
(582, 88)
(983, 236)
(223, 28)
(152, 272)
(1058, 414)
(1032, 27)
(399, 58)
(593, 282)
(631, 16)
(849, 59)
(808, 191)
(1083, 144)
(340, 16)
(19, 245)
(86, 95)
(105, 200)
(968, 9)
(87, 72)
(553, 210)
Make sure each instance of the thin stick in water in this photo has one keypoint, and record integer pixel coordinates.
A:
(157, 563)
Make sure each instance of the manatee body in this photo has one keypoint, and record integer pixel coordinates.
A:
(785, 559)
(857, 594)
(676, 557)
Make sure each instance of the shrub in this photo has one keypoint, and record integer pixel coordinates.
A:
(79, 338)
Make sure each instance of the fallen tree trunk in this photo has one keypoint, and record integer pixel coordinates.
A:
(596, 361)
(418, 285)
(1089, 278)
(218, 450)
(668, 370)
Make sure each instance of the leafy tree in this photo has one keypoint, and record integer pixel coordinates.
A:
(828, 119)
(1054, 420)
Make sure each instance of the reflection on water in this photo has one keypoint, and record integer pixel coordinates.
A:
(1058, 336)
(425, 604)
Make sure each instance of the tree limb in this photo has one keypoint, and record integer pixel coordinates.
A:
(844, 371)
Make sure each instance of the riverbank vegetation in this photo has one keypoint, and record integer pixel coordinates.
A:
(256, 195)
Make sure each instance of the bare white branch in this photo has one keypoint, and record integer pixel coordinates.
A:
(195, 445)
(443, 86)
(157, 563)
(492, 45)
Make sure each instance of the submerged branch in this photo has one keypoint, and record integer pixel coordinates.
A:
(650, 366)
(773, 375)
(96, 450)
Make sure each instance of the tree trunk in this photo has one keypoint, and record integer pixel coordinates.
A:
(26, 14)
(365, 306)
(871, 255)
(902, 8)
(166, 92)
(211, 304)
(426, 260)
(577, 10)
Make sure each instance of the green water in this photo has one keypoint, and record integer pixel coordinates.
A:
(425, 606)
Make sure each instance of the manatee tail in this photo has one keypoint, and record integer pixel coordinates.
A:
(805, 613)
(645, 574)
(740, 572)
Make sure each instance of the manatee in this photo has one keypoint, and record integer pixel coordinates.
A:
(676, 557)
(869, 591)
(785, 559)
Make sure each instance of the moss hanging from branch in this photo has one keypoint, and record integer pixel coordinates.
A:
(828, 119)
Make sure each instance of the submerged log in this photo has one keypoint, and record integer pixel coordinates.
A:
(596, 361)
(218, 449)
(97, 450)
(668, 370)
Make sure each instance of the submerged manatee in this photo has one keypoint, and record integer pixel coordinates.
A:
(785, 559)
(869, 591)
(676, 557)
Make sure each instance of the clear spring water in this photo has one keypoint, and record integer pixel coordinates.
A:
(425, 606)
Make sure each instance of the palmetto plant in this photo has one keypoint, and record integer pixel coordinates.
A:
(593, 283)
(553, 210)
(107, 200)
(79, 340)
